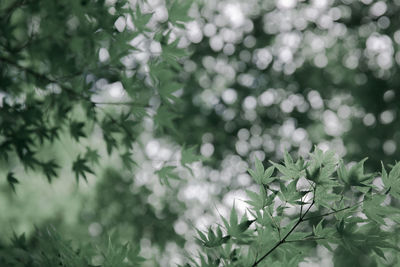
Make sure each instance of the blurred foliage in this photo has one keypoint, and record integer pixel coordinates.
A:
(122, 205)
(72, 73)
(50, 249)
(274, 64)
(59, 59)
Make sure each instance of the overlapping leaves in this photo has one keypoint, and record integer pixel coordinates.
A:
(49, 77)
(304, 203)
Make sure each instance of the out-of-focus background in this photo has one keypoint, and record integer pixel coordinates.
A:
(262, 77)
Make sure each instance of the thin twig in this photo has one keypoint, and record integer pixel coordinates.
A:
(65, 88)
(302, 219)
(333, 212)
(305, 239)
(88, 71)
(42, 76)
(8, 12)
(284, 238)
(116, 103)
(301, 207)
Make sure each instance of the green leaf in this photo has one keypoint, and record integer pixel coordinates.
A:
(127, 160)
(258, 173)
(172, 53)
(166, 91)
(233, 219)
(287, 159)
(318, 229)
(212, 239)
(234, 228)
(267, 179)
(355, 176)
(29, 160)
(379, 252)
(120, 255)
(76, 130)
(261, 176)
(322, 167)
(12, 181)
(138, 112)
(164, 119)
(324, 158)
(111, 143)
(178, 12)
(80, 168)
(325, 196)
(243, 226)
(92, 155)
(392, 181)
(288, 172)
(258, 201)
(374, 210)
(289, 193)
(166, 173)
(140, 20)
(188, 156)
(49, 169)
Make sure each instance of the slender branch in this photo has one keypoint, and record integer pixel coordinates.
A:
(302, 219)
(8, 11)
(116, 103)
(78, 73)
(284, 238)
(305, 239)
(43, 77)
(333, 212)
(301, 207)
(65, 88)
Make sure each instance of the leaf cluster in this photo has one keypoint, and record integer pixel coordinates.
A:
(313, 188)
(52, 73)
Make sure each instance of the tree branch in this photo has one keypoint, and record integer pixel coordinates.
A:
(117, 103)
(8, 11)
(305, 239)
(65, 88)
(333, 212)
(42, 76)
(301, 219)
